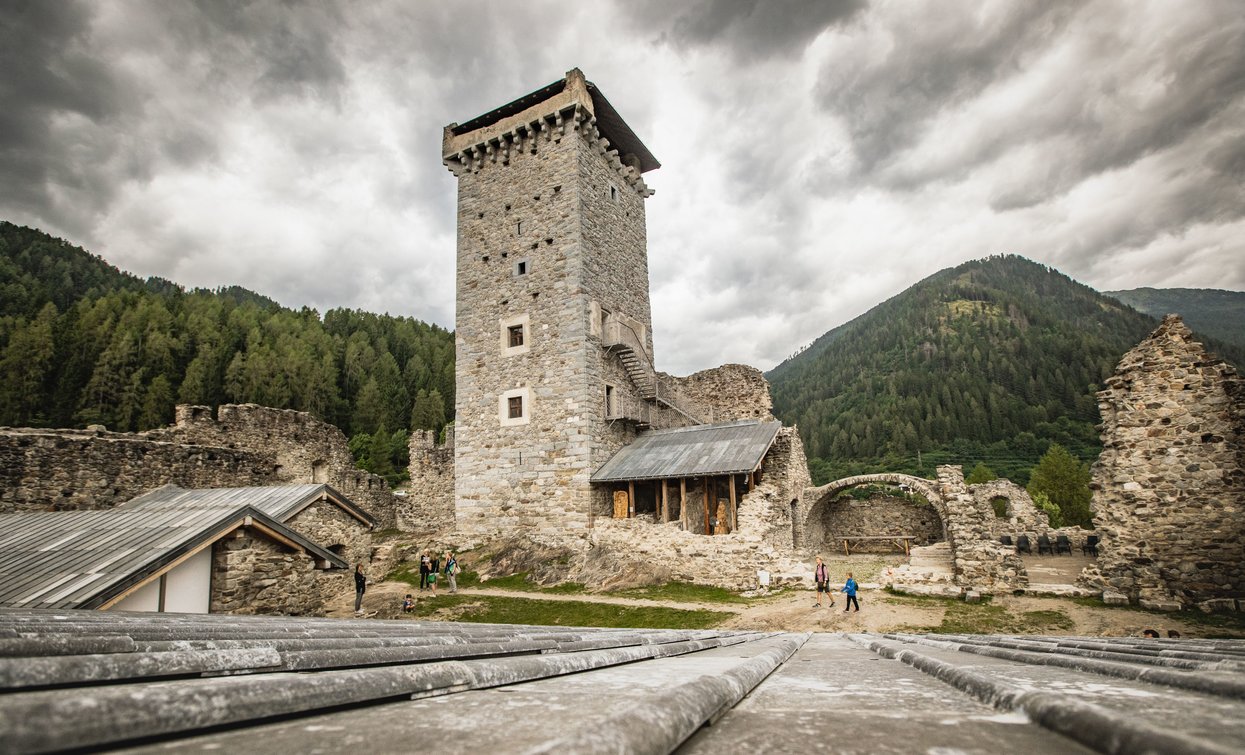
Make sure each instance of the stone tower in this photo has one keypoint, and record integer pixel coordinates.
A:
(553, 329)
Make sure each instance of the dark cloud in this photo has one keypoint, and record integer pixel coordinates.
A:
(925, 63)
(747, 29)
(49, 74)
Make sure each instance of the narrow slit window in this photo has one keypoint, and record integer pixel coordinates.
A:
(518, 228)
(520, 267)
(609, 401)
(614, 193)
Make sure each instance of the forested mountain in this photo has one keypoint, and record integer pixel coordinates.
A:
(1214, 312)
(82, 342)
(991, 361)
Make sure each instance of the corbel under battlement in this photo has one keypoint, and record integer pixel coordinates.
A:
(527, 135)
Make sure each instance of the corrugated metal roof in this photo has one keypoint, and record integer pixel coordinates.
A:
(281, 502)
(81, 559)
(722, 449)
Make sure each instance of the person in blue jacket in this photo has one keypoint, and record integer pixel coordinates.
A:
(850, 589)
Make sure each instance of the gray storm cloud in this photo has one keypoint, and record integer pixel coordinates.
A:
(818, 156)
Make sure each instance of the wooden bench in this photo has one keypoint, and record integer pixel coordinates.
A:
(902, 542)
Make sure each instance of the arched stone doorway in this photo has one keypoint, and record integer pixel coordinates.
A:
(821, 517)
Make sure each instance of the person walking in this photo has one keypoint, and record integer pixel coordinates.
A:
(821, 576)
(451, 571)
(432, 576)
(423, 570)
(360, 587)
(850, 589)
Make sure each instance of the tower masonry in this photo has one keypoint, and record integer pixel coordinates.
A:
(553, 328)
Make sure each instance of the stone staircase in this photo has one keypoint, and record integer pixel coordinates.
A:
(929, 571)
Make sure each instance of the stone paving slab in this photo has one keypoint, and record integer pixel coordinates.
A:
(835, 696)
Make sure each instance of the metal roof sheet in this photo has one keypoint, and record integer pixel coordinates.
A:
(281, 502)
(81, 559)
(702, 450)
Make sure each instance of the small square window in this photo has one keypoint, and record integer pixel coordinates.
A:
(520, 267)
(515, 407)
(515, 335)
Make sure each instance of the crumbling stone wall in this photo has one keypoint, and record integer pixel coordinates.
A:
(878, 515)
(328, 525)
(978, 560)
(429, 502)
(254, 575)
(725, 393)
(303, 449)
(70, 470)
(772, 510)
(1023, 517)
(1169, 486)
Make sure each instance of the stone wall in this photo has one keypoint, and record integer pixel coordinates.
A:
(254, 575)
(1023, 517)
(878, 515)
(69, 470)
(246, 445)
(1169, 486)
(429, 501)
(303, 449)
(978, 560)
(725, 393)
(772, 511)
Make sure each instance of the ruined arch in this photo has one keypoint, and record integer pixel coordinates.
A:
(818, 498)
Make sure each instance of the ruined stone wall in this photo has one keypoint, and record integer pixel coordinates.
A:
(729, 392)
(429, 502)
(1022, 515)
(68, 470)
(1169, 486)
(328, 525)
(254, 575)
(303, 449)
(876, 516)
(978, 560)
(773, 510)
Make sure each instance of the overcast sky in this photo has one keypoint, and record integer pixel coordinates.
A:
(818, 157)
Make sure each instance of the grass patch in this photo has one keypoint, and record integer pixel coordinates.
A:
(1046, 621)
(489, 609)
(983, 617)
(685, 592)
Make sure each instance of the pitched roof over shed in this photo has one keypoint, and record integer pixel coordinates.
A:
(281, 502)
(699, 451)
(86, 559)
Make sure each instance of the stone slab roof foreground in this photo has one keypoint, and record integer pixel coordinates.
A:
(95, 680)
(85, 559)
(721, 449)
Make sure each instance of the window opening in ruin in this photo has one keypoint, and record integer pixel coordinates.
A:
(515, 335)
(1000, 506)
(507, 208)
(520, 267)
(484, 258)
(480, 215)
(515, 407)
(319, 471)
(605, 318)
(557, 190)
(536, 197)
(338, 549)
(609, 401)
(614, 193)
(504, 255)
(518, 228)
(504, 302)
(535, 294)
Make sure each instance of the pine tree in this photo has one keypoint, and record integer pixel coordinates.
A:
(1065, 481)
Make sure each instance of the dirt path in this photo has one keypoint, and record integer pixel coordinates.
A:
(796, 611)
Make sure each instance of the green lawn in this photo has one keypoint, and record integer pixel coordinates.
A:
(489, 609)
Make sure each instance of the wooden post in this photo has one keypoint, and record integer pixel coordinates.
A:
(630, 498)
(708, 529)
(683, 502)
(665, 502)
(731, 524)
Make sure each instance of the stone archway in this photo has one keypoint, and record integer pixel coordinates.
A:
(978, 560)
(820, 497)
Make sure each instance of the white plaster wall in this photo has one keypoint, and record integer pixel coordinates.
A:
(146, 598)
(187, 589)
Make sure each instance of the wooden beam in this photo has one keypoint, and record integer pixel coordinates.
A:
(732, 512)
(630, 498)
(665, 502)
(683, 501)
(708, 529)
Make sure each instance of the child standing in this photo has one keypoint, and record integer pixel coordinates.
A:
(850, 589)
